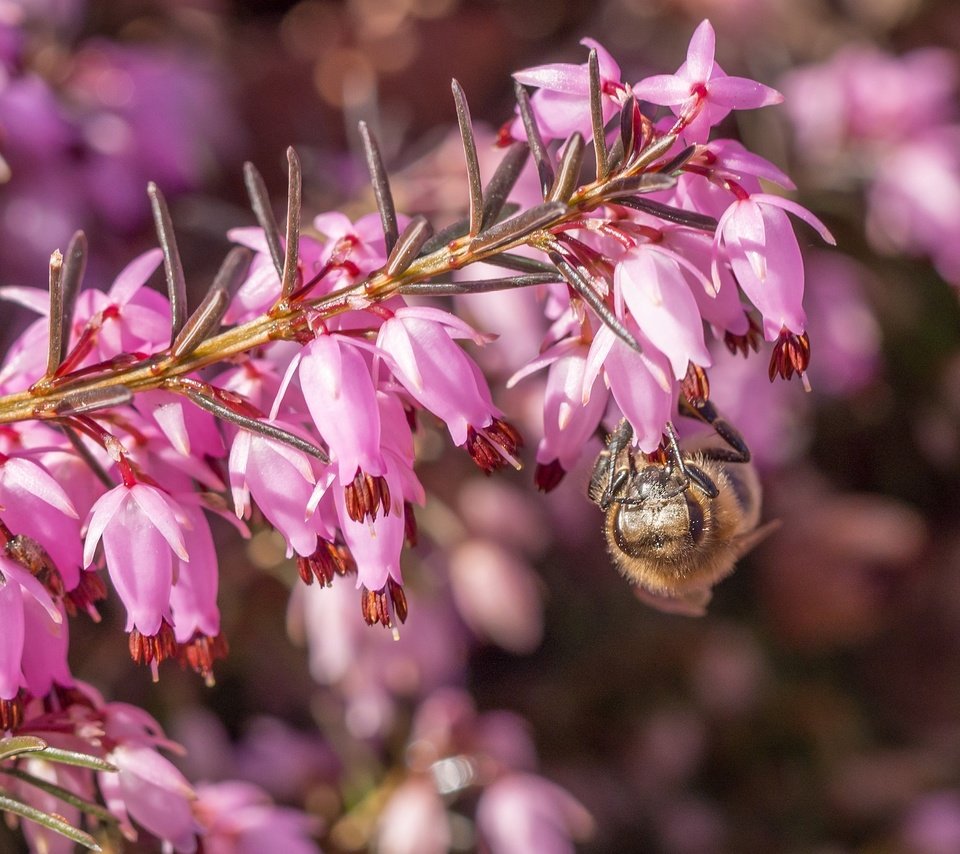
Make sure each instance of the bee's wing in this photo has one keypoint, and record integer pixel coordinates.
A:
(745, 542)
(693, 603)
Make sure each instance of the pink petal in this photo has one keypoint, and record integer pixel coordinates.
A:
(740, 93)
(11, 643)
(259, 290)
(333, 225)
(251, 236)
(609, 69)
(14, 572)
(144, 324)
(156, 795)
(278, 486)
(701, 52)
(342, 401)
(663, 307)
(599, 350)
(557, 77)
(639, 395)
(732, 157)
(170, 419)
(778, 293)
(44, 660)
(134, 276)
(101, 514)
(237, 467)
(746, 229)
(668, 90)
(394, 339)
(376, 545)
(568, 423)
(545, 359)
(140, 565)
(456, 327)
(798, 211)
(159, 509)
(35, 299)
(20, 475)
(194, 596)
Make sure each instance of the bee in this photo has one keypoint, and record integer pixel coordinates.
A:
(678, 524)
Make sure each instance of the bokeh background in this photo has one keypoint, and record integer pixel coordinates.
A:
(816, 708)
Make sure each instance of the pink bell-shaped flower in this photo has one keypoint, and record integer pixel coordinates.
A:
(141, 536)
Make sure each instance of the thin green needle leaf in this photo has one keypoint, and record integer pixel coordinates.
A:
(59, 792)
(14, 746)
(381, 187)
(90, 400)
(477, 286)
(593, 299)
(596, 115)
(408, 245)
(522, 224)
(55, 343)
(51, 822)
(254, 425)
(172, 266)
(206, 318)
(74, 266)
(540, 154)
(670, 213)
(569, 172)
(292, 254)
(81, 760)
(470, 155)
(520, 263)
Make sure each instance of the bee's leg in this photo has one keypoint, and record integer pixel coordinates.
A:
(705, 411)
(692, 473)
(607, 480)
(619, 440)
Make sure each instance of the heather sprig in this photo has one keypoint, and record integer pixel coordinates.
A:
(298, 383)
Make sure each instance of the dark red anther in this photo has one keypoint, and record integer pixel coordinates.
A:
(791, 354)
(409, 524)
(494, 446)
(147, 649)
(11, 713)
(379, 606)
(399, 599)
(365, 496)
(695, 386)
(200, 652)
(743, 344)
(328, 561)
(90, 590)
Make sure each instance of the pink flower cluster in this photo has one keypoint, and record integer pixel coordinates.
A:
(144, 790)
(311, 423)
(684, 260)
(357, 383)
(887, 122)
(131, 486)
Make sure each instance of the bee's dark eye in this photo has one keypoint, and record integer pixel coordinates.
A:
(695, 512)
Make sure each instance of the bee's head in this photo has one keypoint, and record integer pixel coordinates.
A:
(659, 515)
